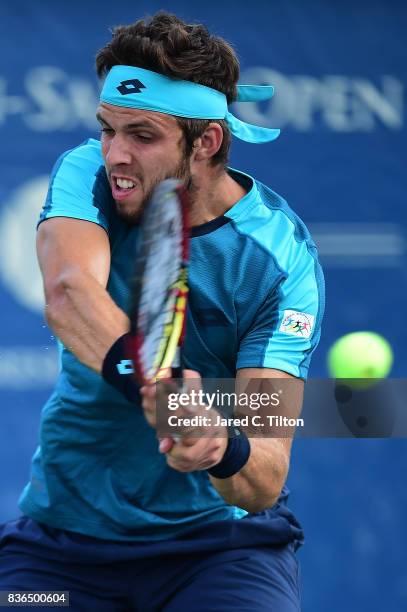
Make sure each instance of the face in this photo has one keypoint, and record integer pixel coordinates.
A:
(140, 148)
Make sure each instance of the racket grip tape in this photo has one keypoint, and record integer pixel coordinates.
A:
(236, 456)
(118, 371)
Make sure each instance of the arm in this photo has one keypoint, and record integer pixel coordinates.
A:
(258, 484)
(74, 258)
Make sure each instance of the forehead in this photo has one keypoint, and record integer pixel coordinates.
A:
(119, 116)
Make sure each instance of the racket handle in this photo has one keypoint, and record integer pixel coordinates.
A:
(176, 368)
(176, 372)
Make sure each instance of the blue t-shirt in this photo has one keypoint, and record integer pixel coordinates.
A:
(256, 300)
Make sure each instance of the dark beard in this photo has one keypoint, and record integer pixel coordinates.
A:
(182, 172)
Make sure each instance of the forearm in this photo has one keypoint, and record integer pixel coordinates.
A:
(258, 484)
(85, 318)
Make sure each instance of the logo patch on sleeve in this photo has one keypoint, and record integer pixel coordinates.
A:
(297, 323)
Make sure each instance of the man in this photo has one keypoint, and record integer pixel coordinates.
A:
(110, 514)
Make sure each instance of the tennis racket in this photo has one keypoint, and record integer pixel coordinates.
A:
(160, 285)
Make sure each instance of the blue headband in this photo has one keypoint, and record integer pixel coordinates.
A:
(139, 88)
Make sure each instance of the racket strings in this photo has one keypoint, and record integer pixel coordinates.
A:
(161, 284)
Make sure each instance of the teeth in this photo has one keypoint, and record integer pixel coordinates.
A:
(124, 184)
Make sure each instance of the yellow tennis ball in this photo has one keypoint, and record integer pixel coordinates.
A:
(361, 355)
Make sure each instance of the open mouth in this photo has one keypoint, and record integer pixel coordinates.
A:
(122, 187)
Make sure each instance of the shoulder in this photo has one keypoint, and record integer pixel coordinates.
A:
(266, 219)
(84, 160)
(78, 185)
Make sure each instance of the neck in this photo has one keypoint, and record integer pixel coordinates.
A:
(213, 194)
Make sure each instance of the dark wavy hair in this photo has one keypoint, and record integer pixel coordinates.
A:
(166, 44)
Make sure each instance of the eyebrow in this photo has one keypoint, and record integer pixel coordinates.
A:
(130, 126)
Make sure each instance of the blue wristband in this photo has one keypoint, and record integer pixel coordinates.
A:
(118, 371)
(236, 456)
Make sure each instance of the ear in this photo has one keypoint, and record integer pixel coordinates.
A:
(209, 143)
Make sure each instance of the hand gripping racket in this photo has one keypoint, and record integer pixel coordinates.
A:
(160, 285)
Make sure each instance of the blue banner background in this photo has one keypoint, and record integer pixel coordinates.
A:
(340, 74)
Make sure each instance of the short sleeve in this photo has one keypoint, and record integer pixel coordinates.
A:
(76, 186)
(287, 325)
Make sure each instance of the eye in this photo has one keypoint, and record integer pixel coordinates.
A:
(143, 137)
(106, 130)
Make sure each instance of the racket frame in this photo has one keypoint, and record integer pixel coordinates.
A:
(176, 305)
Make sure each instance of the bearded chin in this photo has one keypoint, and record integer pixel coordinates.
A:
(182, 172)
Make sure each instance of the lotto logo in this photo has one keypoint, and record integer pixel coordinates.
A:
(125, 367)
(130, 86)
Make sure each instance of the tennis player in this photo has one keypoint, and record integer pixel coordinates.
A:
(111, 515)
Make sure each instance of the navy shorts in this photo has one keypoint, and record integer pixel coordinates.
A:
(212, 568)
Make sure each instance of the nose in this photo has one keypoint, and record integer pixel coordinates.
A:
(117, 150)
